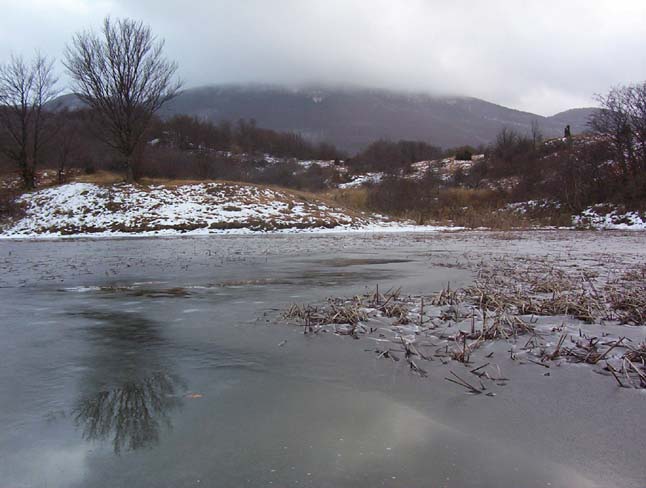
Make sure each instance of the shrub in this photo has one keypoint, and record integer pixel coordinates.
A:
(356, 198)
(464, 153)
(393, 157)
(10, 209)
(462, 197)
(401, 195)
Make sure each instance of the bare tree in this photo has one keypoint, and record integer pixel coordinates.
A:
(25, 91)
(68, 142)
(622, 120)
(122, 75)
(537, 134)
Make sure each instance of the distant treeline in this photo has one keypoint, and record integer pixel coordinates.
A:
(607, 165)
(394, 157)
(244, 136)
(191, 134)
(188, 147)
(75, 140)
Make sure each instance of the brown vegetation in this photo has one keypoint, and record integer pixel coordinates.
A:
(10, 209)
(503, 304)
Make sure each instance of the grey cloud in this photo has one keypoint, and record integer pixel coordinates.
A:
(540, 56)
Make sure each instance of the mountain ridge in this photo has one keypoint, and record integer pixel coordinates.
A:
(352, 117)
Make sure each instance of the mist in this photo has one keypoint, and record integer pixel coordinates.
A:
(542, 57)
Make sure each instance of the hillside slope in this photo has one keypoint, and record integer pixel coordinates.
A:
(82, 209)
(352, 118)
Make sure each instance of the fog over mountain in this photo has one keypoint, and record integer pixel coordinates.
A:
(353, 117)
(543, 57)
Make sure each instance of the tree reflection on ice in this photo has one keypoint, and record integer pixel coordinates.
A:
(130, 390)
(131, 415)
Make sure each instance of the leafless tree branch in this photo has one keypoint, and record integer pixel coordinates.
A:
(25, 92)
(122, 75)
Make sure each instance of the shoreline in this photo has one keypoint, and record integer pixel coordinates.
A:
(247, 232)
(375, 229)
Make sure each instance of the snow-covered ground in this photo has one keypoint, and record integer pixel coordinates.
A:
(608, 216)
(83, 209)
(360, 180)
(604, 216)
(532, 206)
(86, 209)
(323, 164)
(445, 168)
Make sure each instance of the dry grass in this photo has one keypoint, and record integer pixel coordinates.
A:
(455, 206)
(472, 198)
(501, 305)
(346, 313)
(355, 198)
(100, 178)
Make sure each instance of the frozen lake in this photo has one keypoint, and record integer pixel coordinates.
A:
(162, 362)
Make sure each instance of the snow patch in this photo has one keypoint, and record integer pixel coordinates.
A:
(609, 216)
(85, 209)
(360, 180)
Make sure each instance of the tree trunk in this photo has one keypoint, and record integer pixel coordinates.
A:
(130, 173)
(28, 176)
(28, 179)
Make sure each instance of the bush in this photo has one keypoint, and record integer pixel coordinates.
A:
(192, 134)
(10, 209)
(393, 157)
(458, 198)
(464, 153)
(399, 196)
(356, 198)
(621, 125)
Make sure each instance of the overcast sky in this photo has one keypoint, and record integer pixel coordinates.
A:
(541, 56)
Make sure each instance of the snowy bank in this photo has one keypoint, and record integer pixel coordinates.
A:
(609, 216)
(85, 209)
